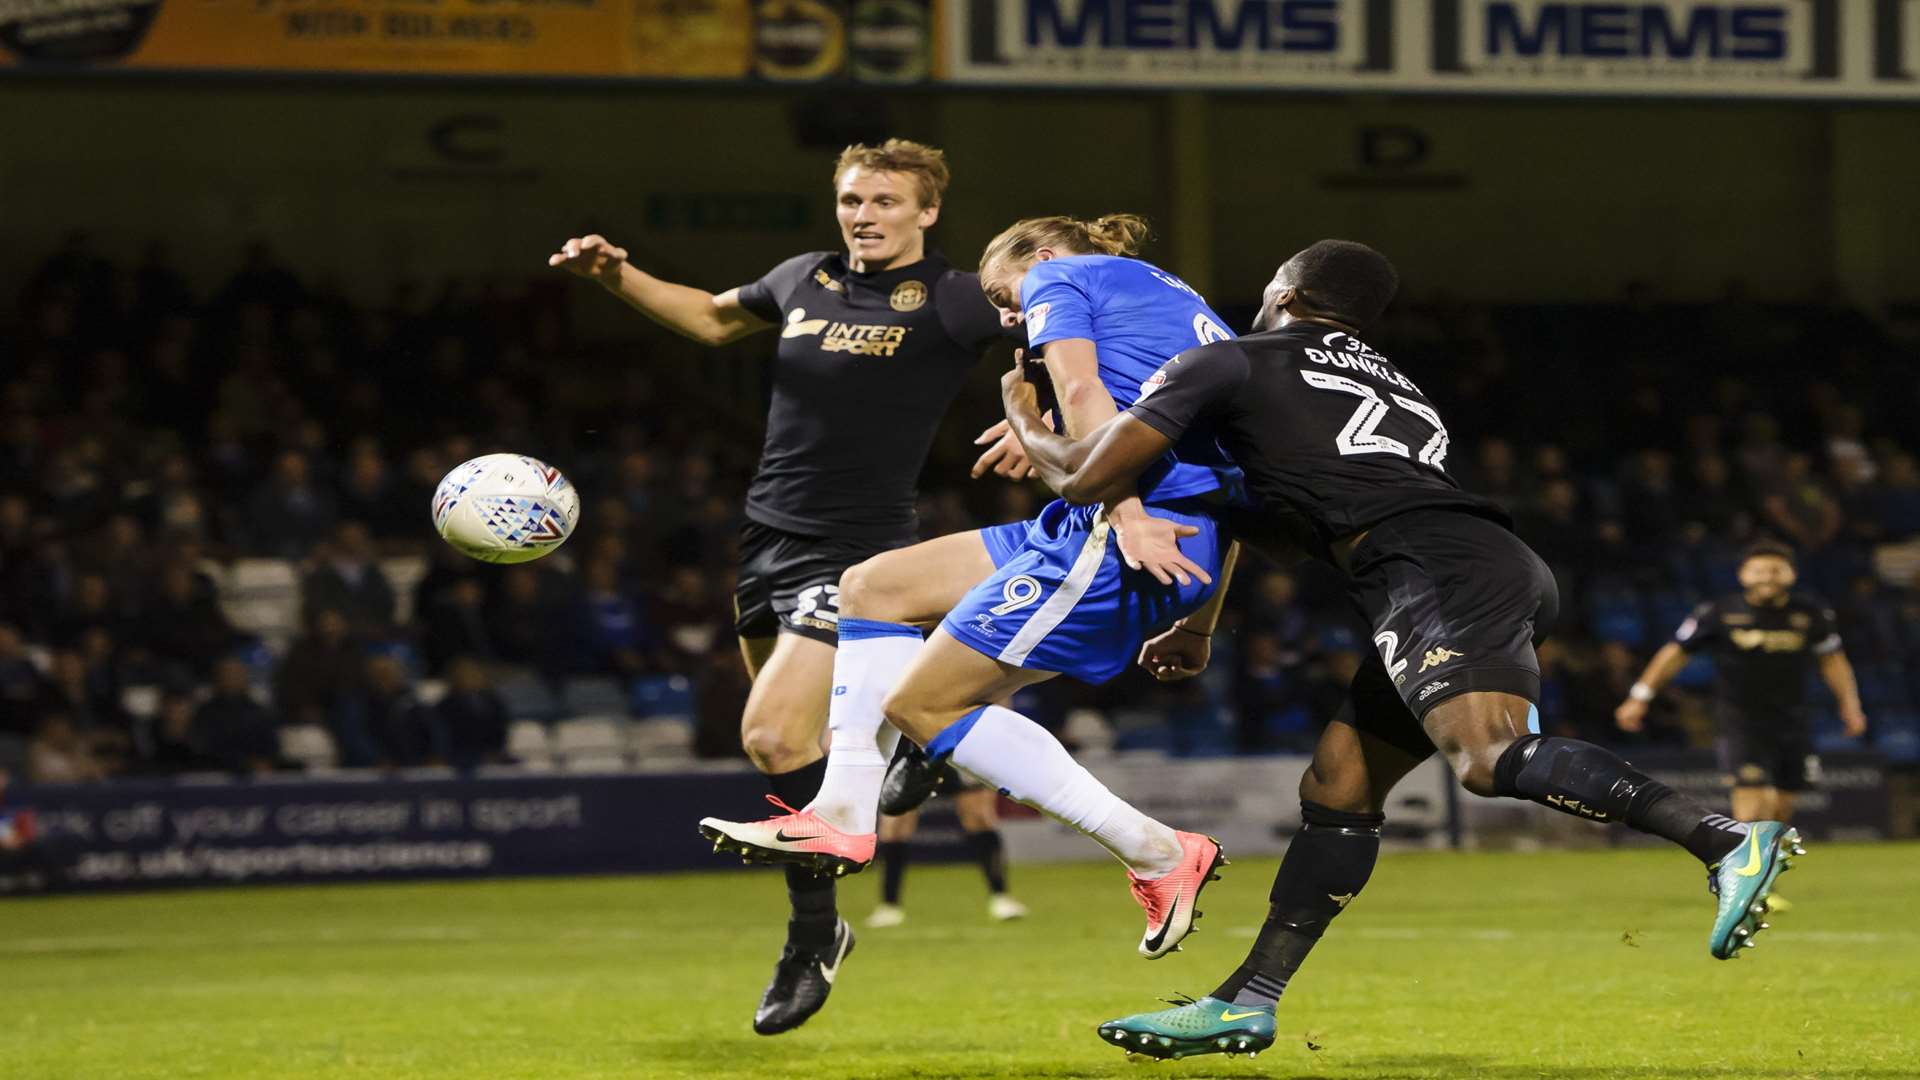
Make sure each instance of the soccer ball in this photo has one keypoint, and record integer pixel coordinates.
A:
(505, 508)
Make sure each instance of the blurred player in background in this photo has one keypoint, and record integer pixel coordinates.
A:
(1019, 604)
(1763, 640)
(911, 780)
(875, 343)
(1345, 453)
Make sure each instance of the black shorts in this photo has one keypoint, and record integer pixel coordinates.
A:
(1456, 603)
(790, 583)
(1772, 752)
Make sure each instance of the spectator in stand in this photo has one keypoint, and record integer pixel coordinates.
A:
(171, 745)
(1897, 501)
(89, 696)
(181, 625)
(21, 688)
(346, 578)
(1711, 501)
(288, 510)
(91, 606)
(1652, 504)
(402, 729)
(616, 637)
(322, 669)
(59, 754)
(527, 623)
(472, 719)
(231, 728)
(456, 625)
(1800, 506)
(370, 493)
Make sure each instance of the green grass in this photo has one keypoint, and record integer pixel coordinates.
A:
(1575, 965)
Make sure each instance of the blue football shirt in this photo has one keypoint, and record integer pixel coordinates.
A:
(1138, 317)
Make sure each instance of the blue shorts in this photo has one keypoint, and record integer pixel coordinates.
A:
(1062, 599)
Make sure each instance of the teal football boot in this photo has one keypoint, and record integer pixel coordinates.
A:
(1742, 878)
(1207, 1026)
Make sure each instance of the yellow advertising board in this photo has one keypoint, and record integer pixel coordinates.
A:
(779, 40)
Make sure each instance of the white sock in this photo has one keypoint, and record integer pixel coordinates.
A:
(870, 660)
(1020, 758)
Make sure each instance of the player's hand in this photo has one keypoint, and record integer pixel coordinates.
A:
(1855, 721)
(1631, 715)
(1004, 457)
(592, 257)
(1153, 544)
(1177, 654)
(1017, 394)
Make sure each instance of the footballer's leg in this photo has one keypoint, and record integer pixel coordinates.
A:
(977, 806)
(781, 730)
(1372, 743)
(881, 602)
(941, 703)
(896, 835)
(1491, 740)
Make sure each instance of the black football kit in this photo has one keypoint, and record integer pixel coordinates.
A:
(1336, 443)
(1762, 655)
(867, 365)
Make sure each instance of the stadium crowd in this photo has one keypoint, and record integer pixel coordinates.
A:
(150, 437)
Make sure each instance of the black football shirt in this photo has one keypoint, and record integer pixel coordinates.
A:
(1762, 654)
(1332, 437)
(867, 365)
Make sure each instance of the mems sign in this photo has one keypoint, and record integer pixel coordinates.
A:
(1302, 26)
(1756, 32)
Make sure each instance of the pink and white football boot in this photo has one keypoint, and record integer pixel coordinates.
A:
(1169, 900)
(795, 838)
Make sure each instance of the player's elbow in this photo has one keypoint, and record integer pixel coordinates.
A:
(1083, 489)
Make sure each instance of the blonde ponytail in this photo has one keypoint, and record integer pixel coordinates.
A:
(1109, 234)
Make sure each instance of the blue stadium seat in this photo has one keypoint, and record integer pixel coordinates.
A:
(1145, 738)
(661, 695)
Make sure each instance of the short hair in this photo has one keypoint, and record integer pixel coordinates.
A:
(1344, 280)
(926, 164)
(1767, 549)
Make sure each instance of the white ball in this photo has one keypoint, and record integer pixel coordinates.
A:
(505, 508)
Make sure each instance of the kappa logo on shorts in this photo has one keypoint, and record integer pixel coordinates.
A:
(1436, 657)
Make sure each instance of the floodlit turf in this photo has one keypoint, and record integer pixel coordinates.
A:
(1583, 966)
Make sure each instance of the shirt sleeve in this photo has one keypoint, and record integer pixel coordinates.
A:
(1189, 387)
(1700, 629)
(768, 298)
(1825, 634)
(968, 318)
(1057, 303)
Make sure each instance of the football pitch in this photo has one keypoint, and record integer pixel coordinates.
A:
(1567, 965)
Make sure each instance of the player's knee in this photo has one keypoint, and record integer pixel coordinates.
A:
(1474, 763)
(859, 590)
(1340, 785)
(774, 746)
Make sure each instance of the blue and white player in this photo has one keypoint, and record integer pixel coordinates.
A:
(1019, 604)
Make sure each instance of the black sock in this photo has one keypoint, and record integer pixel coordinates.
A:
(893, 870)
(1325, 867)
(985, 846)
(1586, 781)
(814, 915)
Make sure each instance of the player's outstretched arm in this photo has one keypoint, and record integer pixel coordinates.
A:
(1837, 671)
(1632, 713)
(687, 311)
